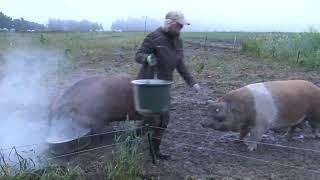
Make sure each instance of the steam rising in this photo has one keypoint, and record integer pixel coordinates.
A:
(24, 92)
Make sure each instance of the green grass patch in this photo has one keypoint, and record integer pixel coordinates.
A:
(302, 49)
(126, 163)
(127, 160)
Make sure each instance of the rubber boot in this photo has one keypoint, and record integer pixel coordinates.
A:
(160, 155)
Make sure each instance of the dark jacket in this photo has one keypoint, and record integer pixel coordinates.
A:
(168, 50)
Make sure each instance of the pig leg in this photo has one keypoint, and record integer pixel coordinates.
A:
(315, 124)
(291, 129)
(315, 128)
(290, 133)
(243, 133)
(255, 137)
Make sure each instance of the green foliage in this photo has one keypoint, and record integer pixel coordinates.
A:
(296, 48)
(72, 25)
(49, 173)
(252, 46)
(220, 36)
(198, 61)
(25, 170)
(75, 44)
(5, 21)
(127, 160)
(18, 24)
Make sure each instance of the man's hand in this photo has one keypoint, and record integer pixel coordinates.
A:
(196, 87)
(151, 60)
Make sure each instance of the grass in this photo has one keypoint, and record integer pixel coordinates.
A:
(49, 173)
(75, 44)
(296, 48)
(301, 49)
(102, 51)
(126, 163)
(127, 160)
(25, 169)
(113, 52)
(220, 36)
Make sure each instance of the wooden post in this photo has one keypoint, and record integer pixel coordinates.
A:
(145, 25)
(205, 41)
(234, 41)
(298, 57)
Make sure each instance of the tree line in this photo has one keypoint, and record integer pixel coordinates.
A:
(18, 24)
(135, 24)
(6, 22)
(150, 24)
(71, 25)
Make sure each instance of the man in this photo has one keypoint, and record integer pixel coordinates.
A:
(162, 51)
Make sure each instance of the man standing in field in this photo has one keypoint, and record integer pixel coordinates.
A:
(162, 51)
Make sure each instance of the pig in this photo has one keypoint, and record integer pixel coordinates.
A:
(256, 108)
(94, 102)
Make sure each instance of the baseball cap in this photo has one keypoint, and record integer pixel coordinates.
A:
(177, 16)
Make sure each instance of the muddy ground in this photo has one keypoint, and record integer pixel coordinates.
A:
(201, 153)
(205, 153)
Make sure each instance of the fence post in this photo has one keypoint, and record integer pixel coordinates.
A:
(298, 57)
(205, 41)
(152, 153)
(145, 25)
(234, 41)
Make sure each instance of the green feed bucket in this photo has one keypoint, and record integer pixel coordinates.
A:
(151, 96)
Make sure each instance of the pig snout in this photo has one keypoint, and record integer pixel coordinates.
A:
(203, 124)
(209, 124)
(214, 125)
(206, 123)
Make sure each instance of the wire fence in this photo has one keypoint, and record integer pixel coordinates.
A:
(251, 158)
(167, 129)
(196, 147)
(93, 149)
(90, 135)
(235, 139)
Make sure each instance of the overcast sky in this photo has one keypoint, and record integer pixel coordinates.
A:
(276, 15)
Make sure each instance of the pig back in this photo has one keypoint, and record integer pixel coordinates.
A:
(294, 100)
(95, 101)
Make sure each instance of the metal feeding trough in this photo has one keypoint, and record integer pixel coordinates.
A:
(151, 98)
(67, 138)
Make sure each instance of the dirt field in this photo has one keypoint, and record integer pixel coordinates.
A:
(200, 153)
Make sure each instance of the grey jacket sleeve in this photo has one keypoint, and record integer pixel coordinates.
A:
(184, 72)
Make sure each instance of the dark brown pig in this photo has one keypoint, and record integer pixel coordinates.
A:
(94, 102)
(258, 107)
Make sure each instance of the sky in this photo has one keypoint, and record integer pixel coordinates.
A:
(246, 15)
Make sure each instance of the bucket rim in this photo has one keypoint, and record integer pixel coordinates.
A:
(151, 82)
